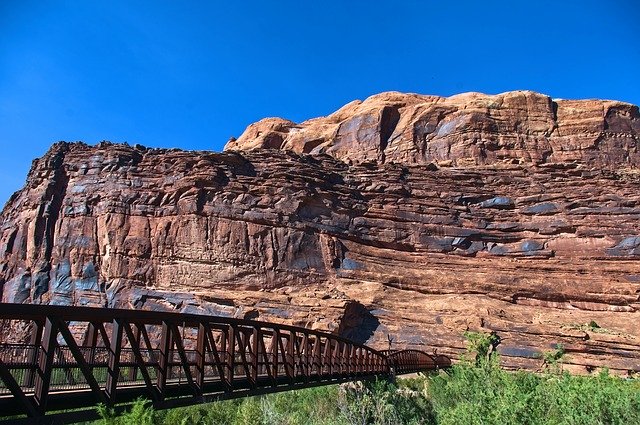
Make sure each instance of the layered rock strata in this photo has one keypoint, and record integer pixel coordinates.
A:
(402, 218)
(465, 130)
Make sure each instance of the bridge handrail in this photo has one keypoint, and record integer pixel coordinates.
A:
(13, 311)
(410, 360)
(172, 358)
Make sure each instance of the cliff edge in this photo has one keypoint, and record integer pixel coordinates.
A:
(407, 217)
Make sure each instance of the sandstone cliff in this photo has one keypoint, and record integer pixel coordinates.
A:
(463, 130)
(414, 217)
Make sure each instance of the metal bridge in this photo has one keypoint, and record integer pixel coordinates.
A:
(79, 356)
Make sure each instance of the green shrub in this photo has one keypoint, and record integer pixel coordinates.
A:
(249, 413)
(552, 360)
(219, 413)
(381, 402)
(474, 391)
(482, 393)
(308, 406)
(140, 414)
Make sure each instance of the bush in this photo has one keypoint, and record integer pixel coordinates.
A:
(474, 391)
(481, 393)
(140, 414)
(306, 406)
(381, 402)
(219, 413)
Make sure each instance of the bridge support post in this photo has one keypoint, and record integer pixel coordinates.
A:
(335, 351)
(183, 359)
(367, 362)
(306, 359)
(200, 356)
(45, 365)
(269, 357)
(326, 357)
(353, 357)
(134, 340)
(243, 339)
(163, 360)
(255, 354)
(290, 356)
(230, 354)
(218, 361)
(140, 361)
(317, 363)
(80, 361)
(91, 341)
(275, 363)
(113, 368)
(273, 358)
(32, 358)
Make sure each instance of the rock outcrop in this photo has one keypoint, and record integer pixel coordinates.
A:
(404, 217)
(464, 130)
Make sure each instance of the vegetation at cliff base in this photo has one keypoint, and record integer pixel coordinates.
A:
(474, 392)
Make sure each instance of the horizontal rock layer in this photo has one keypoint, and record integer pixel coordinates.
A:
(541, 252)
(462, 130)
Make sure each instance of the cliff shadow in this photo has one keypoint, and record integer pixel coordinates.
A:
(357, 323)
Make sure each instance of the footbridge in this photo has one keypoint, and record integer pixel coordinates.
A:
(77, 357)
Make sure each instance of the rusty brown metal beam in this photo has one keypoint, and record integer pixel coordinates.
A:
(81, 361)
(113, 368)
(163, 361)
(216, 355)
(16, 391)
(36, 337)
(45, 363)
(183, 359)
(142, 367)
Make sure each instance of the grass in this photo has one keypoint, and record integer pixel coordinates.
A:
(474, 392)
(593, 327)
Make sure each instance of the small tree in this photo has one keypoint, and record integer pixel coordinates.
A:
(482, 346)
(552, 360)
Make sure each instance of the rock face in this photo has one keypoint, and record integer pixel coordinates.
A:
(405, 218)
(464, 130)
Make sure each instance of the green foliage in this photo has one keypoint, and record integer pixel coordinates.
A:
(483, 393)
(307, 406)
(249, 413)
(475, 391)
(381, 402)
(593, 327)
(481, 346)
(140, 414)
(220, 413)
(552, 360)
(555, 355)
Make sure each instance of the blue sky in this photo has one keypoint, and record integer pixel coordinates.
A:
(192, 74)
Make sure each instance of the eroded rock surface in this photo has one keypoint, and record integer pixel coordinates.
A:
(403, 217)
(462, 130)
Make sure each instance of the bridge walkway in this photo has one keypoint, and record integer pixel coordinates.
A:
(77, 357)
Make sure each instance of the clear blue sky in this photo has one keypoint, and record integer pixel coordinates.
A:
(190, 74)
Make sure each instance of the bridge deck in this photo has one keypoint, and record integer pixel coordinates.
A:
(79, 356)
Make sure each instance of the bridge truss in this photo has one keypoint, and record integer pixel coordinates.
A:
(77, 357)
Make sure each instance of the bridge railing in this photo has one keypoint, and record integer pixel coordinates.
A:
(112, 356)
(412, 361)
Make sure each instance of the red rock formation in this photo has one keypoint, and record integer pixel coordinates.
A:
(428, 217)
(463, 130)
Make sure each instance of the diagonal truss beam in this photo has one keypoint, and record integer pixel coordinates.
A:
(80, 361)
(230, 357)
(16, 391)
